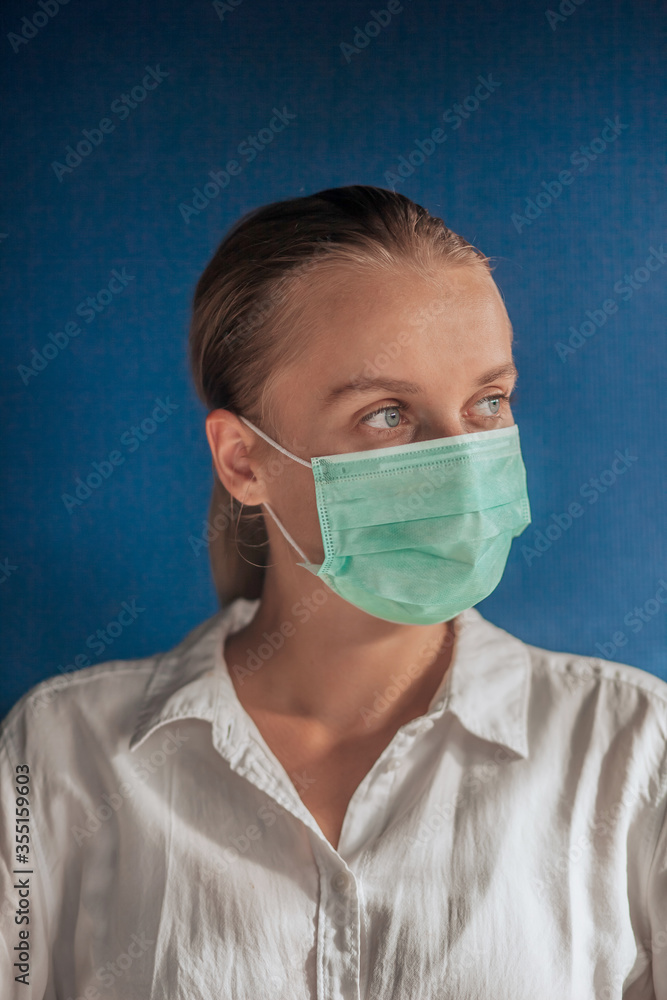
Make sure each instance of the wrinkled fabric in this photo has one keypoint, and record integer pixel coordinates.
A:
(509, 844)
(417, 533)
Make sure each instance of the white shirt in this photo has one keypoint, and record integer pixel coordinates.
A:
(510, 844)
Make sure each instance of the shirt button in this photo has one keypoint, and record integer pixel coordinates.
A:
(341, 881)
(393, 764)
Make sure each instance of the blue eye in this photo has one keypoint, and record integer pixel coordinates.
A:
(494, 398)
(492, 401)
(392, 416)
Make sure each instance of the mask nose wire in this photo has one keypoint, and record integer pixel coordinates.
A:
(296, 459)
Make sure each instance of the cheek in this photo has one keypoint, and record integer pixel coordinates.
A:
(293, 499)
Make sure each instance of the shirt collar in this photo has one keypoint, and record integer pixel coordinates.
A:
(487, 685)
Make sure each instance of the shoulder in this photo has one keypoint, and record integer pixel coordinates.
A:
(620, 685)
(99, 702)
(575, 705)
(585, 706)
(568, 673)
(96, 710)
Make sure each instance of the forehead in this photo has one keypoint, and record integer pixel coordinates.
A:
(345, 313)
(441, 332)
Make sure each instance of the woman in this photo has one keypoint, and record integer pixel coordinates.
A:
(347, 783)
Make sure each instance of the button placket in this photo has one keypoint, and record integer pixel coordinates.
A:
(338, 933)
(341, 882)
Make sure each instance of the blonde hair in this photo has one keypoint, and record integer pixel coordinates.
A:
(244, 330)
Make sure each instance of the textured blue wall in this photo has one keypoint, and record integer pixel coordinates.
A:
(107, 223)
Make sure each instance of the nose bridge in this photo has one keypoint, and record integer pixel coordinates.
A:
(446, 426)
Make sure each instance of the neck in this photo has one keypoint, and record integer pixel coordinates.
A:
(308, 653)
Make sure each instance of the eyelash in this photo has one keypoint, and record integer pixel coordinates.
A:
(508, 397)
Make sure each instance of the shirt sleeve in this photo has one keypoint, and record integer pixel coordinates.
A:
(657, 901)
(25, 901)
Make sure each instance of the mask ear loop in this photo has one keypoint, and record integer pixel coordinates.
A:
(287, 534)
(296, 458)
(275, 444)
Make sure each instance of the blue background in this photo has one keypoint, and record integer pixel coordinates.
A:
(69, 572)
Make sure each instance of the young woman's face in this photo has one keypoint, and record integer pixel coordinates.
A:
(395, 359)
(387, 360)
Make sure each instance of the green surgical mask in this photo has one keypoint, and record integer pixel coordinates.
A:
(417, 533)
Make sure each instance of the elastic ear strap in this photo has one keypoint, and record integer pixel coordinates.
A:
(276, 445)
(287, 535)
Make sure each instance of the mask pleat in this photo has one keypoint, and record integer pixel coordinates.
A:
(427, 534)
(416, 579)
(419, 494)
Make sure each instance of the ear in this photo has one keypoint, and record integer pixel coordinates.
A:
(232, 444)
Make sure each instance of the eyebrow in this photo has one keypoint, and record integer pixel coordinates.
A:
(398, 386)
